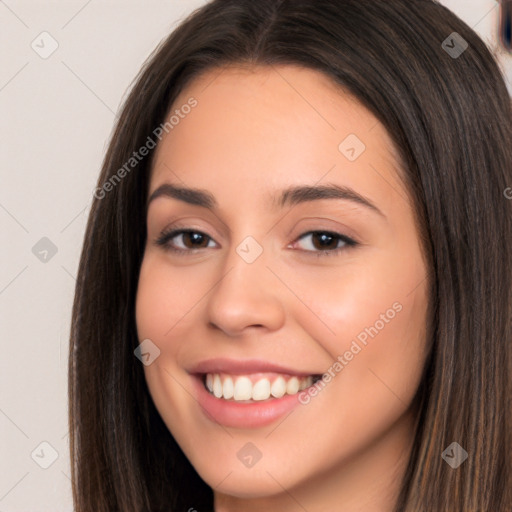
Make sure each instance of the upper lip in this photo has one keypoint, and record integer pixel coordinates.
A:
(243, 367)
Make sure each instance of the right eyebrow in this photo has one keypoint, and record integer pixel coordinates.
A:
(188, 195)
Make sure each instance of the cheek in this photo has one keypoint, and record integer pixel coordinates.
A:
(377, 356)
(378, 297)
(370, 317)
(161, 308)
(164, 299)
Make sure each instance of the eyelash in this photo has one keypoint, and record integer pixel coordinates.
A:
(165, 237)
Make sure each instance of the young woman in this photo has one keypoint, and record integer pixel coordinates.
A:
(295, 286)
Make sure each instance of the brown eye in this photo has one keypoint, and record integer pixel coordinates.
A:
(326, 243)
(190, 240)
(195, 239)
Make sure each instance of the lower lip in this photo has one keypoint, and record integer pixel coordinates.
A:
(242, 415)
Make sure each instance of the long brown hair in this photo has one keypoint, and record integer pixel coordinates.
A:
(450, 118)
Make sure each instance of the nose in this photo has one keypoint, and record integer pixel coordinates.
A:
(247, 296)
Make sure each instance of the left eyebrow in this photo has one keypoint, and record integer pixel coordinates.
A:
(301, 194)
(288, 197)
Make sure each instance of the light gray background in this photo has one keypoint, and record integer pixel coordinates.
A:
(56, 115)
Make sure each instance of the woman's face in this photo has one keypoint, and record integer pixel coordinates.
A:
(275, 286)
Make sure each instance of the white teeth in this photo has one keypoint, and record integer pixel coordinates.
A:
(209, 382)
(292, 386)
(217, 386)
(261, 390)
(241, 387)
(228, 389)
(278, 388)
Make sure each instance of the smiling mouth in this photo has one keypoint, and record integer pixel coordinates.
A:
(255, 387)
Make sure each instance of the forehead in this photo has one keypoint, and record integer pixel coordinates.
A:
(272, 127)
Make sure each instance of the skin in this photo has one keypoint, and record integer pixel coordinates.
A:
(254, 132)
